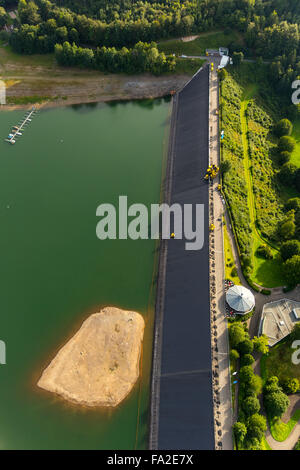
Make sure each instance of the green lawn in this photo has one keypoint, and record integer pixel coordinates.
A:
(188, 66)
(8, 56)
(296, 134)
(265, 445)
(278, 362)
(249, 110)
(229, 260)
(280, 430)
(211, 40)
(267, 273)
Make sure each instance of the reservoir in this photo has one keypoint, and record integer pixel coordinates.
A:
(54, 271)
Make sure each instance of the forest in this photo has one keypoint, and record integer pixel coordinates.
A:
(269, 27)
(143, 57)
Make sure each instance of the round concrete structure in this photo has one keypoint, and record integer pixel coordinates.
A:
(240, 299)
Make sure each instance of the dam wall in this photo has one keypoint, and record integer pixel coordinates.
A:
(182, 412)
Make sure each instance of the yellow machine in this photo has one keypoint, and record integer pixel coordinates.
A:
(211, 172)
(172, 235)
(212, 227)
(219, 187)
(212, 66)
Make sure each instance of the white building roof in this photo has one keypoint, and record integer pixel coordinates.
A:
(224, 61)
(240, 299)
(278, 319)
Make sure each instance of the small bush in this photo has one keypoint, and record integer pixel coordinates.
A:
(247, 360)
(265, 252)
(286, 144)
(251, 406)
(287, 174)
(234, 355)
(290, 249)
(266, 291)
(245, 346)
(234, 272)
(284, 157)
(283, 127)
(291, 386)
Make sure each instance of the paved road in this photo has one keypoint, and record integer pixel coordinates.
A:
(221, 354)
(185, 404)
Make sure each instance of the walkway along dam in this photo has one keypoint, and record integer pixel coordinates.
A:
(182, 413)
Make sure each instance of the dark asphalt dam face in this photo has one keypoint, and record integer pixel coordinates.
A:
(182, 410)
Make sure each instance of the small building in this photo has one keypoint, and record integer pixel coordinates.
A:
(225, 60)
(278, 319)
(240, 299)
(223, 51)
(218, 52)
(212, 52)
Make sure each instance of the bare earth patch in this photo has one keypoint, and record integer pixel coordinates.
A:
(189, 38)
(100, 364)
(58, 86)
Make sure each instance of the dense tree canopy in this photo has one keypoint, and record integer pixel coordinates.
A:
(283, 127)
(286, 144)
(142, 58)
(276, 403)
(289, 249)
(295, 334)
(3, 17)
(292, 270)
(271, 28)
(237, 334)
(261, 344)
(240, 431)
(251, 405)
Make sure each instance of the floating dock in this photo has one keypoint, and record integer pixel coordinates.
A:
(16, 130)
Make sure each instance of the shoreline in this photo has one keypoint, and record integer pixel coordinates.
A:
(59, 92)
(73, 102)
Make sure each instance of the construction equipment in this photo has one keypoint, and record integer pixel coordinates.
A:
(211, 172)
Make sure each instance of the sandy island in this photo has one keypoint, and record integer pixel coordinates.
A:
(99, 365)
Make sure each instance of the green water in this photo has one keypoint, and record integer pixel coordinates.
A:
(54, 271)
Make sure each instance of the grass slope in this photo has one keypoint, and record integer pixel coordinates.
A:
(280, 431)
(211, 40)
(279, 363)
(266, 272)
(296, 134)
(229, 260)
(248, 112)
